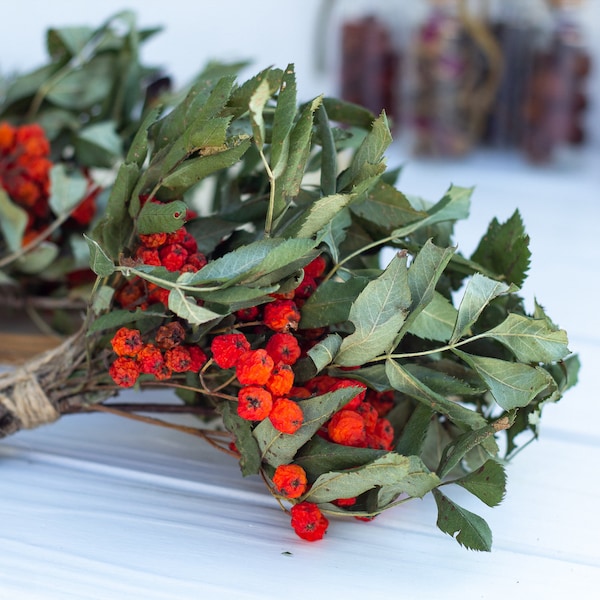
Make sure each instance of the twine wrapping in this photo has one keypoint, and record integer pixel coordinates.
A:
(26, 400)
(28, 393)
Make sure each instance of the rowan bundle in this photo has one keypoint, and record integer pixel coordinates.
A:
(239, 261)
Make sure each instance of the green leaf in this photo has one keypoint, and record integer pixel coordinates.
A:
(513, 385)
(452, 207)
(348, 113)
(323, 353)
(318, 215)
(66, 189)
(423, 276)
(414, 433)
(389, 471)
(377, 315)
(436, 321)
(100, 262)
(195, 170)
(13, 222)
(114, 230)
(289, 256)
(256, 106)
(480, 291)
(283, 120)
(98, 145)
(279, 448)
(328, 153)
(138, 149)
(531, 340)
(119, 317)
(387, 207)
(471, 530)
(245, 442)
(188, 309)
(331, 302)
(488, 483)
(300, 138)
(504, 249)
(102, 300)
(403, 381)
(157, 217)
(67, 41)
(38, 259)
(459, 447)
(319, 456)
(83, 88)
(368, 161)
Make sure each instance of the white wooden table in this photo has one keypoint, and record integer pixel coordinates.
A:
(96, 507)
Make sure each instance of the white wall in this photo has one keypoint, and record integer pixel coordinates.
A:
(270, 32)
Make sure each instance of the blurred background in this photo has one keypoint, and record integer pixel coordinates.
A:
(455, 76)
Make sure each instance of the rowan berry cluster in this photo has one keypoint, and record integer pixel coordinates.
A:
(177, 251)
(259, 351)
(25, 176)
(162, 356)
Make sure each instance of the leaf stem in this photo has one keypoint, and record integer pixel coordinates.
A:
(271, 208)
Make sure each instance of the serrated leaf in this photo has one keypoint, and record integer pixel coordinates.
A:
(368, 161)
(115, 229)
(531, 340)
(283, 120)
(187, 308)
(488, 483)
(279, 448)
(513, 385)
(13, 222)
(157, 217)
(318, 215)
(390, 470)
(138, 149)
(377, 315)
(195, 170)
(504, 249)
(480, 291)
(469, 529)
(100, 262)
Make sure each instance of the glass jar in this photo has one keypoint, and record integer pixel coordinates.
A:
(518, 27)
(555, 99)
(365, 46)
(452, 78)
